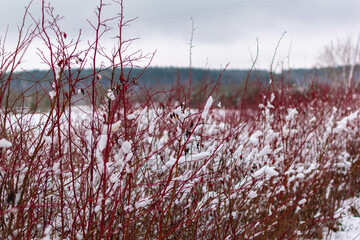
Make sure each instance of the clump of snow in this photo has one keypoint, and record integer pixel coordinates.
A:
(179, 114)
(56, 168)
(254, 137)
(126, 147)
(207, 107)
(143, 202)
(292, 112)
(102, 140)
(169, 163)
(5, 143)
(194, 157)
(313, 119)
(52, 94)
(47, 233)
(341, 124)
(131, 116)
(258, 172)
(265, 151)
(209, 195)
(312, 167)
(110, 95)
(151, 127)
(272, 97)
(270, 171)
(113, 127)
(269, 106)
(353, 116)
(252, 194)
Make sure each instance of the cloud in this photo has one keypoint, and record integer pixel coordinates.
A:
(224, 30)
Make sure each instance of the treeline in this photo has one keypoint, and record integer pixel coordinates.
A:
(152, 76)
(167, 76)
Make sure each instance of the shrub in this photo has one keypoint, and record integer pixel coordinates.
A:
(125, 168)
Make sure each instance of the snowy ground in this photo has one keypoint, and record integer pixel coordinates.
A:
(351, 231)
(350, 223)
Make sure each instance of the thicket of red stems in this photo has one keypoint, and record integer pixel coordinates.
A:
(118, 168)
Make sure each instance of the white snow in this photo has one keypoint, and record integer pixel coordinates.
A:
(291, 114)
(265, 151)
(258, 172)
(131, 116)
(169, 163)
(350, 224)
(102, 142)
(341, 124)
(113, 127)
(270, 171)
(353, 116)
(300, 176)
(52, 94)
(143, 202)
(110, 95)
(252, 194)
(272, 97)
(192, 158)
(254, 137)
(195, 157)
(126, 147)
(151, 127)
(313, 119)
(5, 143)
(207, 107)
(312, 167)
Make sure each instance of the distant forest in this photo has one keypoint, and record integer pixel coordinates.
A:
(156, 76)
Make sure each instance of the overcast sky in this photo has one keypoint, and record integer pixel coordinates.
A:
(225, 31)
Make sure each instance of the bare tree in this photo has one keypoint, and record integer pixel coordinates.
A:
(341, 57)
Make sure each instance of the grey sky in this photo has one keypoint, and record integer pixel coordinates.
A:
(225, 31)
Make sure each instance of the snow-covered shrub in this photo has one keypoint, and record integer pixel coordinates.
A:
(119, 168)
